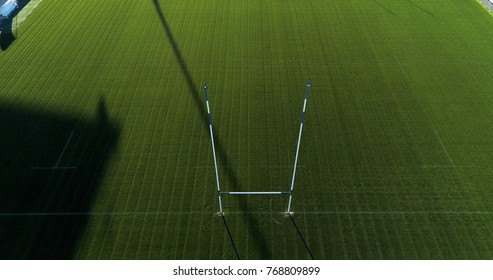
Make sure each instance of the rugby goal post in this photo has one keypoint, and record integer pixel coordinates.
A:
(290, 192)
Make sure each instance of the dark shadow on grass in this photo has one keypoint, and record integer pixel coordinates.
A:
(6, 39)
(301, 236)
(230, 236)
(8, 25)
(44, 210)
(222, 156)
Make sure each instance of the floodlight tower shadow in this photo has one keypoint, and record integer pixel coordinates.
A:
(231, 174)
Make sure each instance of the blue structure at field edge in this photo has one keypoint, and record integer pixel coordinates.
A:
(7, 7)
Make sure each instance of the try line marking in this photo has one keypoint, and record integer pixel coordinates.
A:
(254, 166)
(34, 214)
(451, 166)
(26, 11)
(399, 212)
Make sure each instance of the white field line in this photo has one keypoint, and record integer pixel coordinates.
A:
(254, 166)
(443, 146)
(398, 212)
(31, 214)
(434, 128)
(451, 166)
(52, 167)
(488, 4)
(145, 213)
(26, 11)
(64, 148)
(210, 166)
(59, 158)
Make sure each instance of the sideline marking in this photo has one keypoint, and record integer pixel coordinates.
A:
(487, 5)
(26, 11)
(452, 166)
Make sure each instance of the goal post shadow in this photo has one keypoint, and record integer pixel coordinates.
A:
(289, 193)
(230, 236)
(301, 236)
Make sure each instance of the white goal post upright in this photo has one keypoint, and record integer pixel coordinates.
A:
(290, 192)
(298, 147)
(213, 149)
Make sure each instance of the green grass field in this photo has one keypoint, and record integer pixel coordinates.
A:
(396, 159)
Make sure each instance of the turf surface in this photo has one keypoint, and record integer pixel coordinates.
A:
(396, 159)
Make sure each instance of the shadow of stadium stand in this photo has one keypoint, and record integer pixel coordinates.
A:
(43, 212)
(7, 25)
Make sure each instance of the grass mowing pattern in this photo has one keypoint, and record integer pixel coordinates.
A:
(396, 156)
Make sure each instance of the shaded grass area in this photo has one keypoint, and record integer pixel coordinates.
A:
(48, 175)
(395, 160)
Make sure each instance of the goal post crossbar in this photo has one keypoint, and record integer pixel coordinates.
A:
(261, 193)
